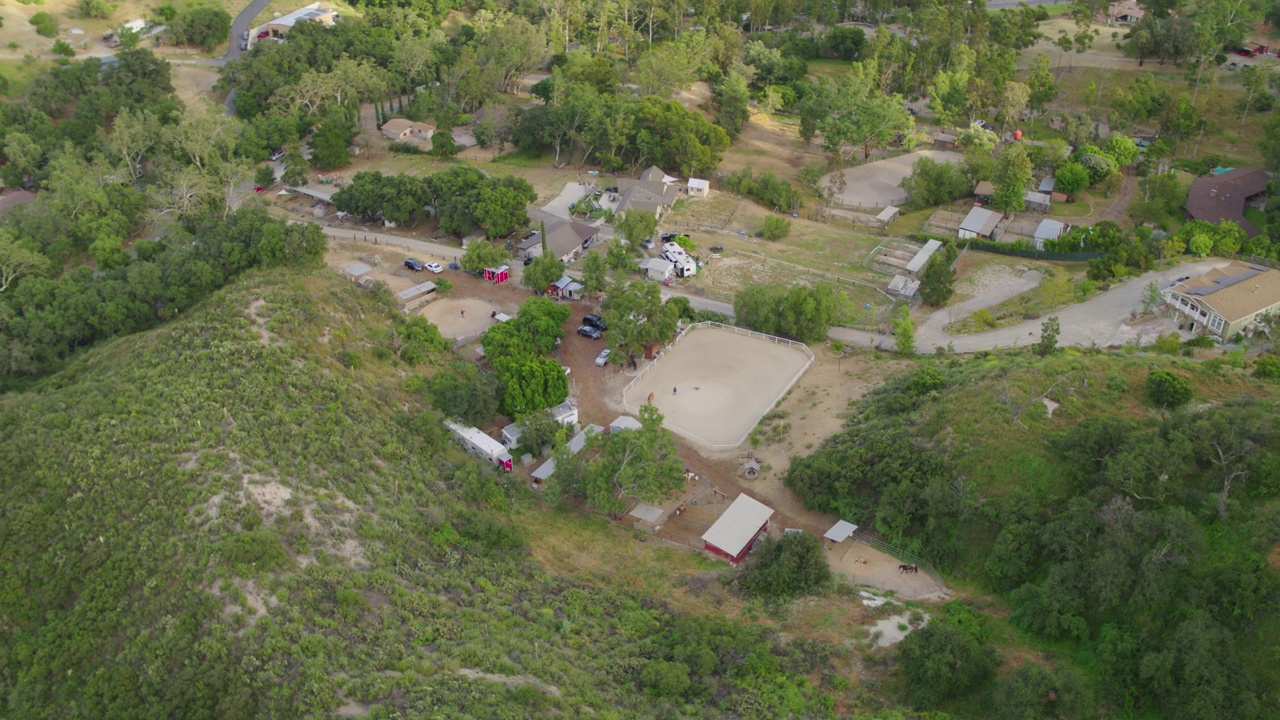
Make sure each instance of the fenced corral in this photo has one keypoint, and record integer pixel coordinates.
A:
(934, 586)
(730, 378)
(944, 222)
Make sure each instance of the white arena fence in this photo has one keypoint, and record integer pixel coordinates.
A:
(740, 331)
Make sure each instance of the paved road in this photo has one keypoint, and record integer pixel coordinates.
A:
(1098, 320)
(243, 20)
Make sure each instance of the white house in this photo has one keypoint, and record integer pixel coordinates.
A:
(566, 413)
(698, 188)
(401, 130)
(1227, 300)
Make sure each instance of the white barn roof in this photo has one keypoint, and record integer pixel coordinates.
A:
(918, 262)
(738, 525)
(840, 531)
(699, 184)
(624, 422)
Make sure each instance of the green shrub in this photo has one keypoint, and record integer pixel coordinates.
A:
(943, 660)
(786, 567)
(776, 228)
(253, 552)
(404, 148)
(1267, 367)
(665, 679)
(1167, 390)
(62, 49)
(46, 24)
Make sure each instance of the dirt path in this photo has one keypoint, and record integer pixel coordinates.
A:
(1117, 209)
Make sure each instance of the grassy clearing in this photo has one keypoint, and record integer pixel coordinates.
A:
(910, 222)
(19, 73)
(1256, 217)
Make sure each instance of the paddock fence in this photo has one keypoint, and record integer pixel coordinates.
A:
(897, 552)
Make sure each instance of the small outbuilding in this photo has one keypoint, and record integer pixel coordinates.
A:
(984, 190)
(497, 275)
(416, 296)
(921, 259)
(980, 222)
(734, 532)
(1047, 184)
(355, 271)
(903, 287)
(1037, 201)
(840, 532)
(647, 517)
(943, 140)
(566, 288)
(887, 215)
(1048, 230)
(576, 443)
(658, 269)
(624, 422)
(698, 188)
(566, 413)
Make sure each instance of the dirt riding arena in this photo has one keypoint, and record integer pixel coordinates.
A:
(877, 184)
(460, 317)
(713, 384)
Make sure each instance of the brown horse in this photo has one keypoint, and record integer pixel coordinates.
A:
(908, 569)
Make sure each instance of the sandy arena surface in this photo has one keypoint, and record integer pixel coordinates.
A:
(876, 184)
(459, 317)
(724, 383)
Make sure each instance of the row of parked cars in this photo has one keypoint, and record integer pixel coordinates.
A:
(419, 266)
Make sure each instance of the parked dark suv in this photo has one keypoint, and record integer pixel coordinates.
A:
(414, 265)
(594, 321)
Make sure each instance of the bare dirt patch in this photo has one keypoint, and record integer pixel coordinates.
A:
(460, 317)
(193, 84)
(511, 681)
(265, 336)
(270, 497)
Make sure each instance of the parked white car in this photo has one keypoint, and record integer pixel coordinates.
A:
(434, 267)
(603, 357)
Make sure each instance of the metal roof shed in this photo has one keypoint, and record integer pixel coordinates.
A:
(922, 258)
(355, 270)
(624, 422)
(733, 533)
(841, 531)
(980, 222)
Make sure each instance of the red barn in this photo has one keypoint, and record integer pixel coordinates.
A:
(734, 532)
